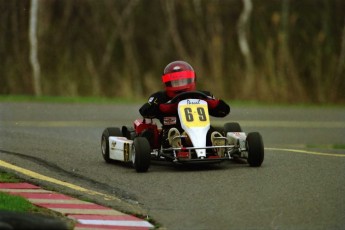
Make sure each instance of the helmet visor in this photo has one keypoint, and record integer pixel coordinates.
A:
(180, 82)
(177, 79)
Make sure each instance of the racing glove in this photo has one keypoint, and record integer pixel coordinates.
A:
(218, 108)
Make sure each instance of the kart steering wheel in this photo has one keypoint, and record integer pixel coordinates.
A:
(189, 95)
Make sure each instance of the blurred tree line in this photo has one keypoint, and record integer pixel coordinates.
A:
(269, 50)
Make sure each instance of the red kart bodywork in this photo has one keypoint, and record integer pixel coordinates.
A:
(141, 125)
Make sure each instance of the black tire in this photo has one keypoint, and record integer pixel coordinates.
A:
(255, 147)
(105, 142)
(232, 127)
(141, 154)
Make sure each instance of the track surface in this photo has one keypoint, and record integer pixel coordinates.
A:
(301, 184)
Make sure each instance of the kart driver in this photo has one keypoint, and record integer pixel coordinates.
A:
(178, 77)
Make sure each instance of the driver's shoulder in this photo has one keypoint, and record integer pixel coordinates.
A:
(158, 94)
(161, 96)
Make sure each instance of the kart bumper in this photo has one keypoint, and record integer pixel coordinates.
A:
(187, 155)
(200, 161)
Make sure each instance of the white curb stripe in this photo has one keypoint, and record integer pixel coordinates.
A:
(127, 223)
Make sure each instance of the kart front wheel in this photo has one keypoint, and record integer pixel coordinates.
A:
(105, 142)
(232, 127)
(255, 148)
(141, 154)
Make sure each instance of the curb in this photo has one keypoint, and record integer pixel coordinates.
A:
(87, 215)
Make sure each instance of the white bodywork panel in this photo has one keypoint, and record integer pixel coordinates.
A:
(120, 148)
(195, 121)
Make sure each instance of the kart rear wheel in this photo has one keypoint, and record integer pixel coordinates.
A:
(105, 142)
(255, 147)
(232, 127)
(141, 154)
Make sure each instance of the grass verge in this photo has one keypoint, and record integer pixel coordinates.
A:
(61, 99)
(15, 203)
(122, 100)
(8, 178)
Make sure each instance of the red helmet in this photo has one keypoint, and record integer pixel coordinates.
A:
(178, 77)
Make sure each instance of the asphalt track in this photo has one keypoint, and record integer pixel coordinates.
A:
(299, 186)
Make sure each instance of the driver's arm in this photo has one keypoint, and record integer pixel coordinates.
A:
(217, 107)
(151, 108)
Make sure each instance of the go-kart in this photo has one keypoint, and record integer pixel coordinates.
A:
(143, 142)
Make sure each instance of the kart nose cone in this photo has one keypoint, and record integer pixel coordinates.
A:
(201, 153)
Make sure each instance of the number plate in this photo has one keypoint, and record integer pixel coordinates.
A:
(194, 113)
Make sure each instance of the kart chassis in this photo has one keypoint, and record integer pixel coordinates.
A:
(142, 142)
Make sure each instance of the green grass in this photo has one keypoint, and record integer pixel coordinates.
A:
(12, 202)
(8, 178)
(339, 146)
(15, 203)
(62, 99)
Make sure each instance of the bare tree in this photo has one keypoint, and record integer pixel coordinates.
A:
(125, 29)
(286, 73)
(242, 28)
(173, 29)
(34, 49)
(341, 63)
(215, 47)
